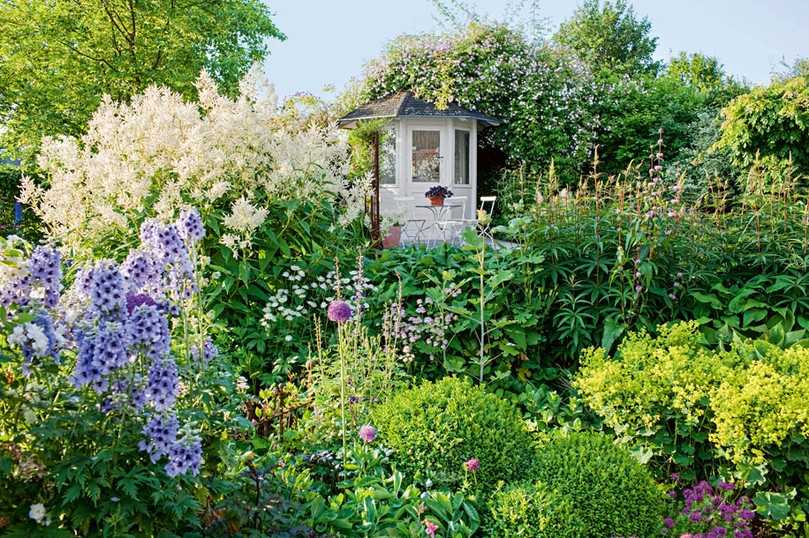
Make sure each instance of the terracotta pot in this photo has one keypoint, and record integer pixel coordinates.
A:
(394, 237)
(437, 200)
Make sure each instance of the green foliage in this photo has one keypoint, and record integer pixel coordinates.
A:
(29, 227)
(610, 492)
(532, 510)
(706, 75)
(770, 123)
(294, 233)
(435, 428)
(698, 411)
(373, 500)
(59, 58)
(494, 69)
(610, 36)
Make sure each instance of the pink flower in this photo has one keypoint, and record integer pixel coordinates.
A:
(339, 311)
(430, 528)
(367, 433)
(472, 465)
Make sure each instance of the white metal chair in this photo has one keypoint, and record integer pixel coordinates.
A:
(455, 220)
(413, 228)
(487, 204)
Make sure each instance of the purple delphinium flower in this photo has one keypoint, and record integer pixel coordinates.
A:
(162, 383)
(367, 433)
(149, 331)
(185, 456)
(161, 434)
(141, 271)
(190, 225)
(45, 265)
(107, 289)
(472, 465)
(339, 311)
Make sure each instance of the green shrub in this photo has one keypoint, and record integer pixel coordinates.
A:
(437, 427)
(698, 411)
(611, 492)
(532, 510)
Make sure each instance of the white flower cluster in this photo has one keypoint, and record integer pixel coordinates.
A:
(243, 220)
(157, 152)
(38, 513)
(302, 299)
(30, 335)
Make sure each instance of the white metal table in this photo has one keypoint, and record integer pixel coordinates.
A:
(440, 213)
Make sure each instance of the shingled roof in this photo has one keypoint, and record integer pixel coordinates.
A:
(405, 104)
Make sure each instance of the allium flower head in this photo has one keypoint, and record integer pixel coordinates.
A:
(339, 311)
(367, 433)
(472, 465)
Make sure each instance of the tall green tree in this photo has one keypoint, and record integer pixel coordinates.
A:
(57, 58)
(610, 38)
(706, 75)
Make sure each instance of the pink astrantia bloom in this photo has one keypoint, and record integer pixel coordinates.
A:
(430, 528)
(367, 433)
(472, 465)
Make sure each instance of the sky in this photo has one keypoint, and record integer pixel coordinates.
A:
(329, 41)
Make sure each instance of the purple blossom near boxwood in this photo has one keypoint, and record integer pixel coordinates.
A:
(709, 512)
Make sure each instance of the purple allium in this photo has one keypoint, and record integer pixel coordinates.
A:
(190, 225)
(695, 516)
(726, 486)
(367, 433)
(668, 522)
(339, 311)
(137, 299)
(472, 465)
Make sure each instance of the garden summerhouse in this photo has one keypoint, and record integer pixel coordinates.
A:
(420, 147)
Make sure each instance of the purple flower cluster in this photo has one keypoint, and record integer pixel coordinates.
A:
(117, 319)
(190, 226)
(43, 270)
(710, 512)
(184, 453)
(339, 311)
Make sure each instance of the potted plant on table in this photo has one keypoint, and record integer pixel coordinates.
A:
(437, 194)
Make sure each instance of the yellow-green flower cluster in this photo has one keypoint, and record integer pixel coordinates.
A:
(672, 394)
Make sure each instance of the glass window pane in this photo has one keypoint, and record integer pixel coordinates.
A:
(426, 160)
(462, 157)
(387, 157)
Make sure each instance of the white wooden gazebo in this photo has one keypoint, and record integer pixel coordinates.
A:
(423, 146)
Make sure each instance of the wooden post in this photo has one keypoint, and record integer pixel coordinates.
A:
(375, 239)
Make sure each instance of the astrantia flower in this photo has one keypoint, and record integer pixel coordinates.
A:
(339, 311)
(367, 433)
(472, 465)
(430, 528)
(38, 513)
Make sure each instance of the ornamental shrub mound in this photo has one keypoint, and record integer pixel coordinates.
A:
(612, 494)
(533, 510)
(436, 427)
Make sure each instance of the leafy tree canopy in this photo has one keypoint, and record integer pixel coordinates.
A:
(610, 38)
(706, 75)
(58, 58)
(770, 123)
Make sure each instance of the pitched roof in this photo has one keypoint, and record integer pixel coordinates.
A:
(405, 104)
